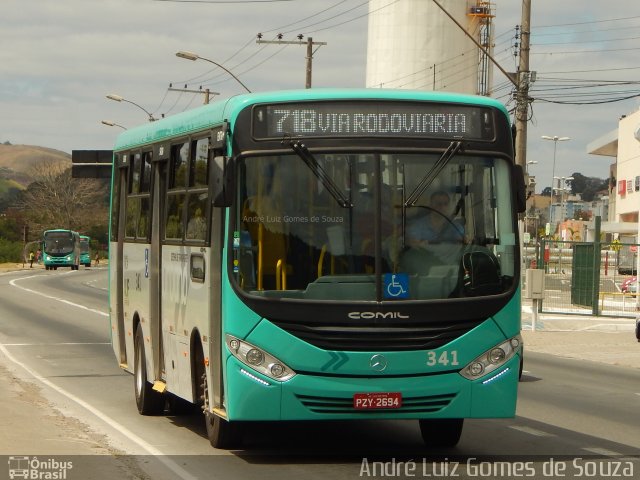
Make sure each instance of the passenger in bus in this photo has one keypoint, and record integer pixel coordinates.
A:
(437, 226)
(197, 226)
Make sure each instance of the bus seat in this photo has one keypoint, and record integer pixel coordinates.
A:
(268, 236)
(480, 273)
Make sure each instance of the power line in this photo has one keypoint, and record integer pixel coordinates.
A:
(585, 51)
(620, 99)
(278, 29)
(224, 1)
(586, 41)
(587, 23)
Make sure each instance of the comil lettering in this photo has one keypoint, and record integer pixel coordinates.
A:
(372, 315)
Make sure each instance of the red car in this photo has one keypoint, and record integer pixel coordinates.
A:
(630, 285)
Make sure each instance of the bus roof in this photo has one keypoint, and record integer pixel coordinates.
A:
(215, 113)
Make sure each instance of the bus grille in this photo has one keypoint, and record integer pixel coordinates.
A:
(396, 337)
(337, 405)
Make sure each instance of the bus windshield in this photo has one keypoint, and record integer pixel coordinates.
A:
(58, 242)
(374, 226)
(84, 245)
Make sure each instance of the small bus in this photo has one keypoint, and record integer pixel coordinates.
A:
(262, 264)
(85, 252)
(61, 248)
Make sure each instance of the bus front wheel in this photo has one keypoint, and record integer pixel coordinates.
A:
(148, 401)
(221, 433)
(441, 432)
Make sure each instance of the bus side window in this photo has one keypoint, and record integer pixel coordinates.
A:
(134, 172)
(175, 208)
(178, 166)
(197, 191)
(133, 210)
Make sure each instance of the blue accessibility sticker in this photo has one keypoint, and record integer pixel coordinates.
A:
(396, 285)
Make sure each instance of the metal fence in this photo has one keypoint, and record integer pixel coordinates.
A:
(581, 280)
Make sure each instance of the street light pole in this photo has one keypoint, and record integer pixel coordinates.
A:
(194, 56)
(112, 124)
(118, 98)
(555, 140)
(561, 186)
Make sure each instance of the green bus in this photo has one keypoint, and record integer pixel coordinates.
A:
(85, 251)
(269, 260)
(61, 248)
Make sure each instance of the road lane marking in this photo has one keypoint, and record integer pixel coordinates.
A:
(602, 451)
(174, 467)
(531, 431)
(52, 344)
(51, 297)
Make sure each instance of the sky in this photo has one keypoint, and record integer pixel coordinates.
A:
(59, 60)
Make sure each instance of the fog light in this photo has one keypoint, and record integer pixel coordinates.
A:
(234, 345)
(255, 357)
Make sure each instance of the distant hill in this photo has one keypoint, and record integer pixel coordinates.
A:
(16, 162)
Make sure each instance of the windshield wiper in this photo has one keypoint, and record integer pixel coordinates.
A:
(432, 174)
(303, 152)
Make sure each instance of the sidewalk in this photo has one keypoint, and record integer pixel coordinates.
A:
(609, 340)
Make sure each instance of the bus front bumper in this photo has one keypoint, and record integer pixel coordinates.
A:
(252, 396)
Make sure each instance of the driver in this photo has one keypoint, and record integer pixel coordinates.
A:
(437, 226)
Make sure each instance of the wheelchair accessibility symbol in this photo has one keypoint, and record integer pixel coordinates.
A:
(396, 285)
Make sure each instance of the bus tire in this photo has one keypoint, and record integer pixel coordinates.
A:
(221, 433)
(148, 401)
(441, 432)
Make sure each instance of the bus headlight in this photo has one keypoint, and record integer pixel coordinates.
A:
(68, 258)
(259, 360)
(492, 359)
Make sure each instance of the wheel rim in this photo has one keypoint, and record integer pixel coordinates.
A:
(139, 376)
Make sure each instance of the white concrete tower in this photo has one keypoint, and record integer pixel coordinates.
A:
(413, 44)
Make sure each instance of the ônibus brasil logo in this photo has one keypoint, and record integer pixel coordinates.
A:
(34, 468)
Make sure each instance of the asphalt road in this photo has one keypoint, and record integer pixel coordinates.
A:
(54, 333)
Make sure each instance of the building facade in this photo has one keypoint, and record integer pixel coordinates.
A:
(623, 145)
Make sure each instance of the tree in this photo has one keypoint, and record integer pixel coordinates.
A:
(56, 200)
(587, 186)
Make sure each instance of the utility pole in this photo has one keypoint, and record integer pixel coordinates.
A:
(525, 79)
(520, 80)
(310, 51)
(207, 93)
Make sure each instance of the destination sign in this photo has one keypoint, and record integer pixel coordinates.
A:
(372, 119)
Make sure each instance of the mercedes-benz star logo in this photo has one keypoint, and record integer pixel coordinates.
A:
(378, 363)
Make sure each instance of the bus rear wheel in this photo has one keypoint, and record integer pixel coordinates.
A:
(221, 433)
(148, 401)
(441, 432)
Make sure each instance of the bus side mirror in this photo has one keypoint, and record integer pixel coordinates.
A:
(521, 188)
(222, 181)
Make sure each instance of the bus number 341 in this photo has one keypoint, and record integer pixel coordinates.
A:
(442, 358)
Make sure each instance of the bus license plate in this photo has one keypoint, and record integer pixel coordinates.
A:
(363, 401)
